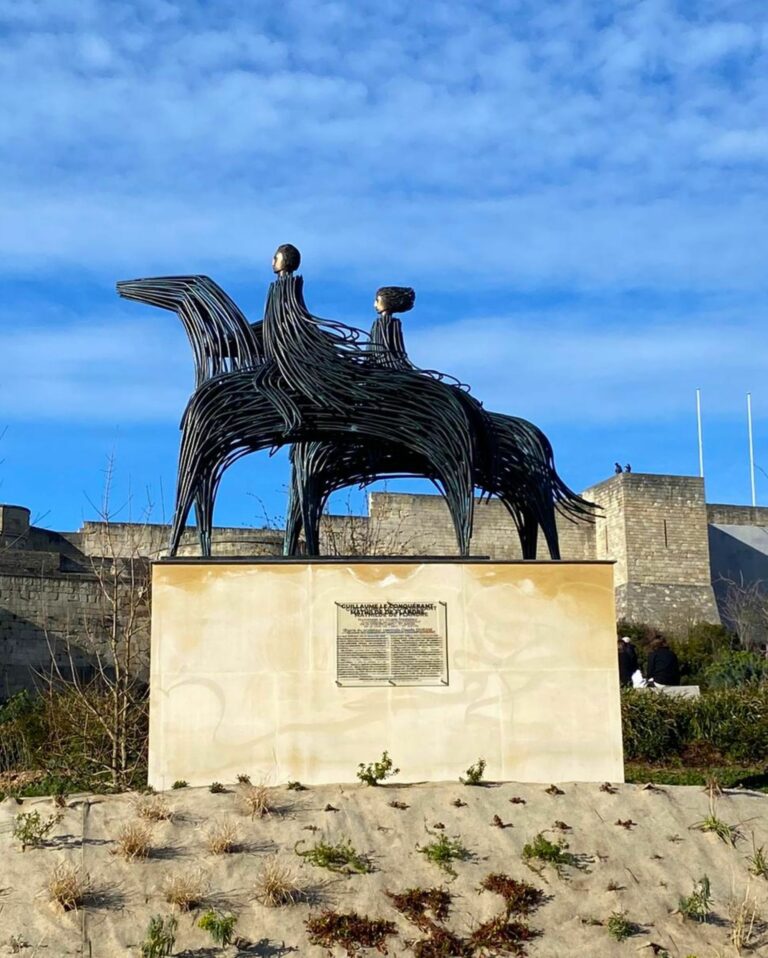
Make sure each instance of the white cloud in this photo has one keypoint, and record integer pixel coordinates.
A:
(584, 142)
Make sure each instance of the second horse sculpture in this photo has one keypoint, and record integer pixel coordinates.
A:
(355, 406)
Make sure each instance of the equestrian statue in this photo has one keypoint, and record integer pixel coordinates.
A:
(353, 408)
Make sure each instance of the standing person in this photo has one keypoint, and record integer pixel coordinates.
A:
(663, 665)
(631, 653)
(625, 665)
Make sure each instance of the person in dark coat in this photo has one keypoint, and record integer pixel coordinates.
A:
(663, 665)
(625, 665)
(631, 653)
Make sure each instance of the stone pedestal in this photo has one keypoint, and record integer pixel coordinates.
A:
(302, 669)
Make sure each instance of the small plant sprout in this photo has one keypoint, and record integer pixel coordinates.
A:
(554, 790)
(340, 857)
(758, 861)
(698, 905)
(400, 806)
(257, 800)
(620, 927)
(296, 787)
(68, 886)
(160, 937)
(376, 772)
(133, 841)
(180, 783)
(153, 808)
(220, 926)
(243, 779)
(185, 890)
(474, 774)
(541, 849)
(216, 788)
(277, 884)
(221, 837)
(729, 834)
(349, 931)
(31, 829)
(443, 851)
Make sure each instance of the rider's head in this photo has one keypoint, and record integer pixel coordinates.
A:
(286, 259)
(394, 299)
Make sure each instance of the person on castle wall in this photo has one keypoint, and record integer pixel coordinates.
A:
(617, 468)
(663, 664)
(627, 468)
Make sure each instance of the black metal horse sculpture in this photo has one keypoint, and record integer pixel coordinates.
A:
(355, 406)
(520, 470)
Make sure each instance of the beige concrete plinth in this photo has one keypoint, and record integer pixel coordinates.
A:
(243, 675)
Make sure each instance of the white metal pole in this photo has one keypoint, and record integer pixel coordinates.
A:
(751, 448)
(701, 441)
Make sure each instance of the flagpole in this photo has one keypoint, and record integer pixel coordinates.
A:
(751, 448)
(701, 441)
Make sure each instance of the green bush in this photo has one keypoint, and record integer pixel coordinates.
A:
(654, 725)
(732, 669)
(733, 722)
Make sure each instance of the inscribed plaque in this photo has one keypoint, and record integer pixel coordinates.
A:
(391, 643)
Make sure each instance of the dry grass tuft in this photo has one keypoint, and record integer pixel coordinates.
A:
(133, 841)
(277, 884)
(153, 808)
(257, 800)
(221, 838)
(186, 890)
(746, 923)
(67, 886)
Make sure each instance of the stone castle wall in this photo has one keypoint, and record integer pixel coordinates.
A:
(655, 528)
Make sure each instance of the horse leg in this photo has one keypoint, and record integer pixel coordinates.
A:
(548, 523)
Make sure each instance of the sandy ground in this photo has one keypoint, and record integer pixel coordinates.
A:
(642, 869)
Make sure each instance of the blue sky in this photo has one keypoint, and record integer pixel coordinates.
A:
(577, 191)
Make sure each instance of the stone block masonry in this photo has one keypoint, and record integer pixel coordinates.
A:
(655, 528)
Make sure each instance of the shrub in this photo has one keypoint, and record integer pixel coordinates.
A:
(376, 772)
(551, 853)
(520, 898)
(654, 726)
(160, 937)
(734, 722)
(349, 931)
(133, 841)
(733, 669)
(216, 788)
(186, 890)
(474, 774)
(703, 643)
(277, 884)
(243, 779)
(220, 926)
(619, 927)
(340, 857)
(698, 905)
(257, 801)
(153, 808)
(443, 851)
(180, 783)
(502, 935)
(414, 904)
(68, 886)
(221, 837)
(31, 829)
